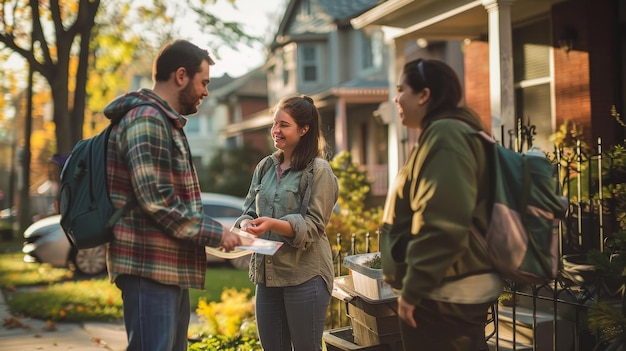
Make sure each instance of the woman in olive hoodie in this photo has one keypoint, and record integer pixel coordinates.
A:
(443, 278)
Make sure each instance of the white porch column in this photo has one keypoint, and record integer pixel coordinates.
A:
(396, 130)
(502, 91)
(341, 126)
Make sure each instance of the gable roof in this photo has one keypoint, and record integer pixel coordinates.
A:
(339, 11)
(252, 84)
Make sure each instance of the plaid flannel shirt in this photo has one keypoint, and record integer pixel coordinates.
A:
(163, 238)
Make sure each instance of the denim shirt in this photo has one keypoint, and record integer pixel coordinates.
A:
(308, 253)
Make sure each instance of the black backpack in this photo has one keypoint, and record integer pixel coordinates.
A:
(87, 214)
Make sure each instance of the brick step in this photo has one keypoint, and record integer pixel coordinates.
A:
(524, 330)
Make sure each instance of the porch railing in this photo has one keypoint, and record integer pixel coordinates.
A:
(553, 316)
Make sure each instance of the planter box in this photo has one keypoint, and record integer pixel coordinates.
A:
(368, 282)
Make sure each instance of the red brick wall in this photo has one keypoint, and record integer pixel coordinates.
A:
(250, 106)
(584, 77)
(572, 100)
(603, 67)
(571, 88)
(477, 80)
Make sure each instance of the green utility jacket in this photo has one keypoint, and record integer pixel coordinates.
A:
(438, 195)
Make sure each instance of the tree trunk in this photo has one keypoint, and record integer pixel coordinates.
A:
(65, 130)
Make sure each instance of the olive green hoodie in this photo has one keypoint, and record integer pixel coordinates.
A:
(437, 197)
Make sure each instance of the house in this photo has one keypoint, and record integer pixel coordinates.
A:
(317, 52)
(203, 128)
(534, 64)
(229, 101)
(527, 66)
(241, 100)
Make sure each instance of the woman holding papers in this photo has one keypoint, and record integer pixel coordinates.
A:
(293, 286)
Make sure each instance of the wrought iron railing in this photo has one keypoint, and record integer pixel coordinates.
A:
(553, 316)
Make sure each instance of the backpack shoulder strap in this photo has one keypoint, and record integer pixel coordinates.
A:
(163, 115)
(264, 165)
(306, 182)
(132, 203)
(267, 162)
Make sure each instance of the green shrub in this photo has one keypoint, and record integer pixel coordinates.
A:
(227, 324)
(352, 216)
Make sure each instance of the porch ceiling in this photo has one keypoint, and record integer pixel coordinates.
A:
(444, 19)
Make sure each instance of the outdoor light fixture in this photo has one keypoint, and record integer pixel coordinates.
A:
(422, 43)
(567, 39)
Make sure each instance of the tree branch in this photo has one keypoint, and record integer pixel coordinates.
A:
(38, 36)
(55, 12)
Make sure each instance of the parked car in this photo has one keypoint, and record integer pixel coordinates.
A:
(225, 209)
(45, 241)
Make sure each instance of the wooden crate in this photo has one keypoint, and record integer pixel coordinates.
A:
(366, 336)
(375, 323)
(342, 339)
(382, 319)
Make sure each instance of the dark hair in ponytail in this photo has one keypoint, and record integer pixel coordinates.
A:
(312, 144)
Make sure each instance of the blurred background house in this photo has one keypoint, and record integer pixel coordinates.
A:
(317, 52)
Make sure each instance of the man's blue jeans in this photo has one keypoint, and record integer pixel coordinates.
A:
(156, 316)
(293, 314)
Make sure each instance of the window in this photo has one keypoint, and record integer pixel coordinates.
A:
(367, 57)
(305, 8)
(288, 64)
(309, 63)
(372, 50)
(532, 74)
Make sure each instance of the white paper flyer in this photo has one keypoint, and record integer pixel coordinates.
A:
(251, 243)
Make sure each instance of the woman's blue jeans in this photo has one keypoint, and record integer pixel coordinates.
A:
(156, 316)
(292, 315)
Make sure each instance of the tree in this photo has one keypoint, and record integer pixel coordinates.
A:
(56, 40)
(46, 34)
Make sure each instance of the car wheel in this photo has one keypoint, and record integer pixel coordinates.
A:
(91, 261)
(242, 262)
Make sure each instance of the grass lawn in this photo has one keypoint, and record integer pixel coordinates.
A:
(39, 291)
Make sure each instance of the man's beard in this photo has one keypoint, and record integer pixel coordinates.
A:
(187, 102)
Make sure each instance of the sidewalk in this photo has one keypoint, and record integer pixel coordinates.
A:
(19, 334)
